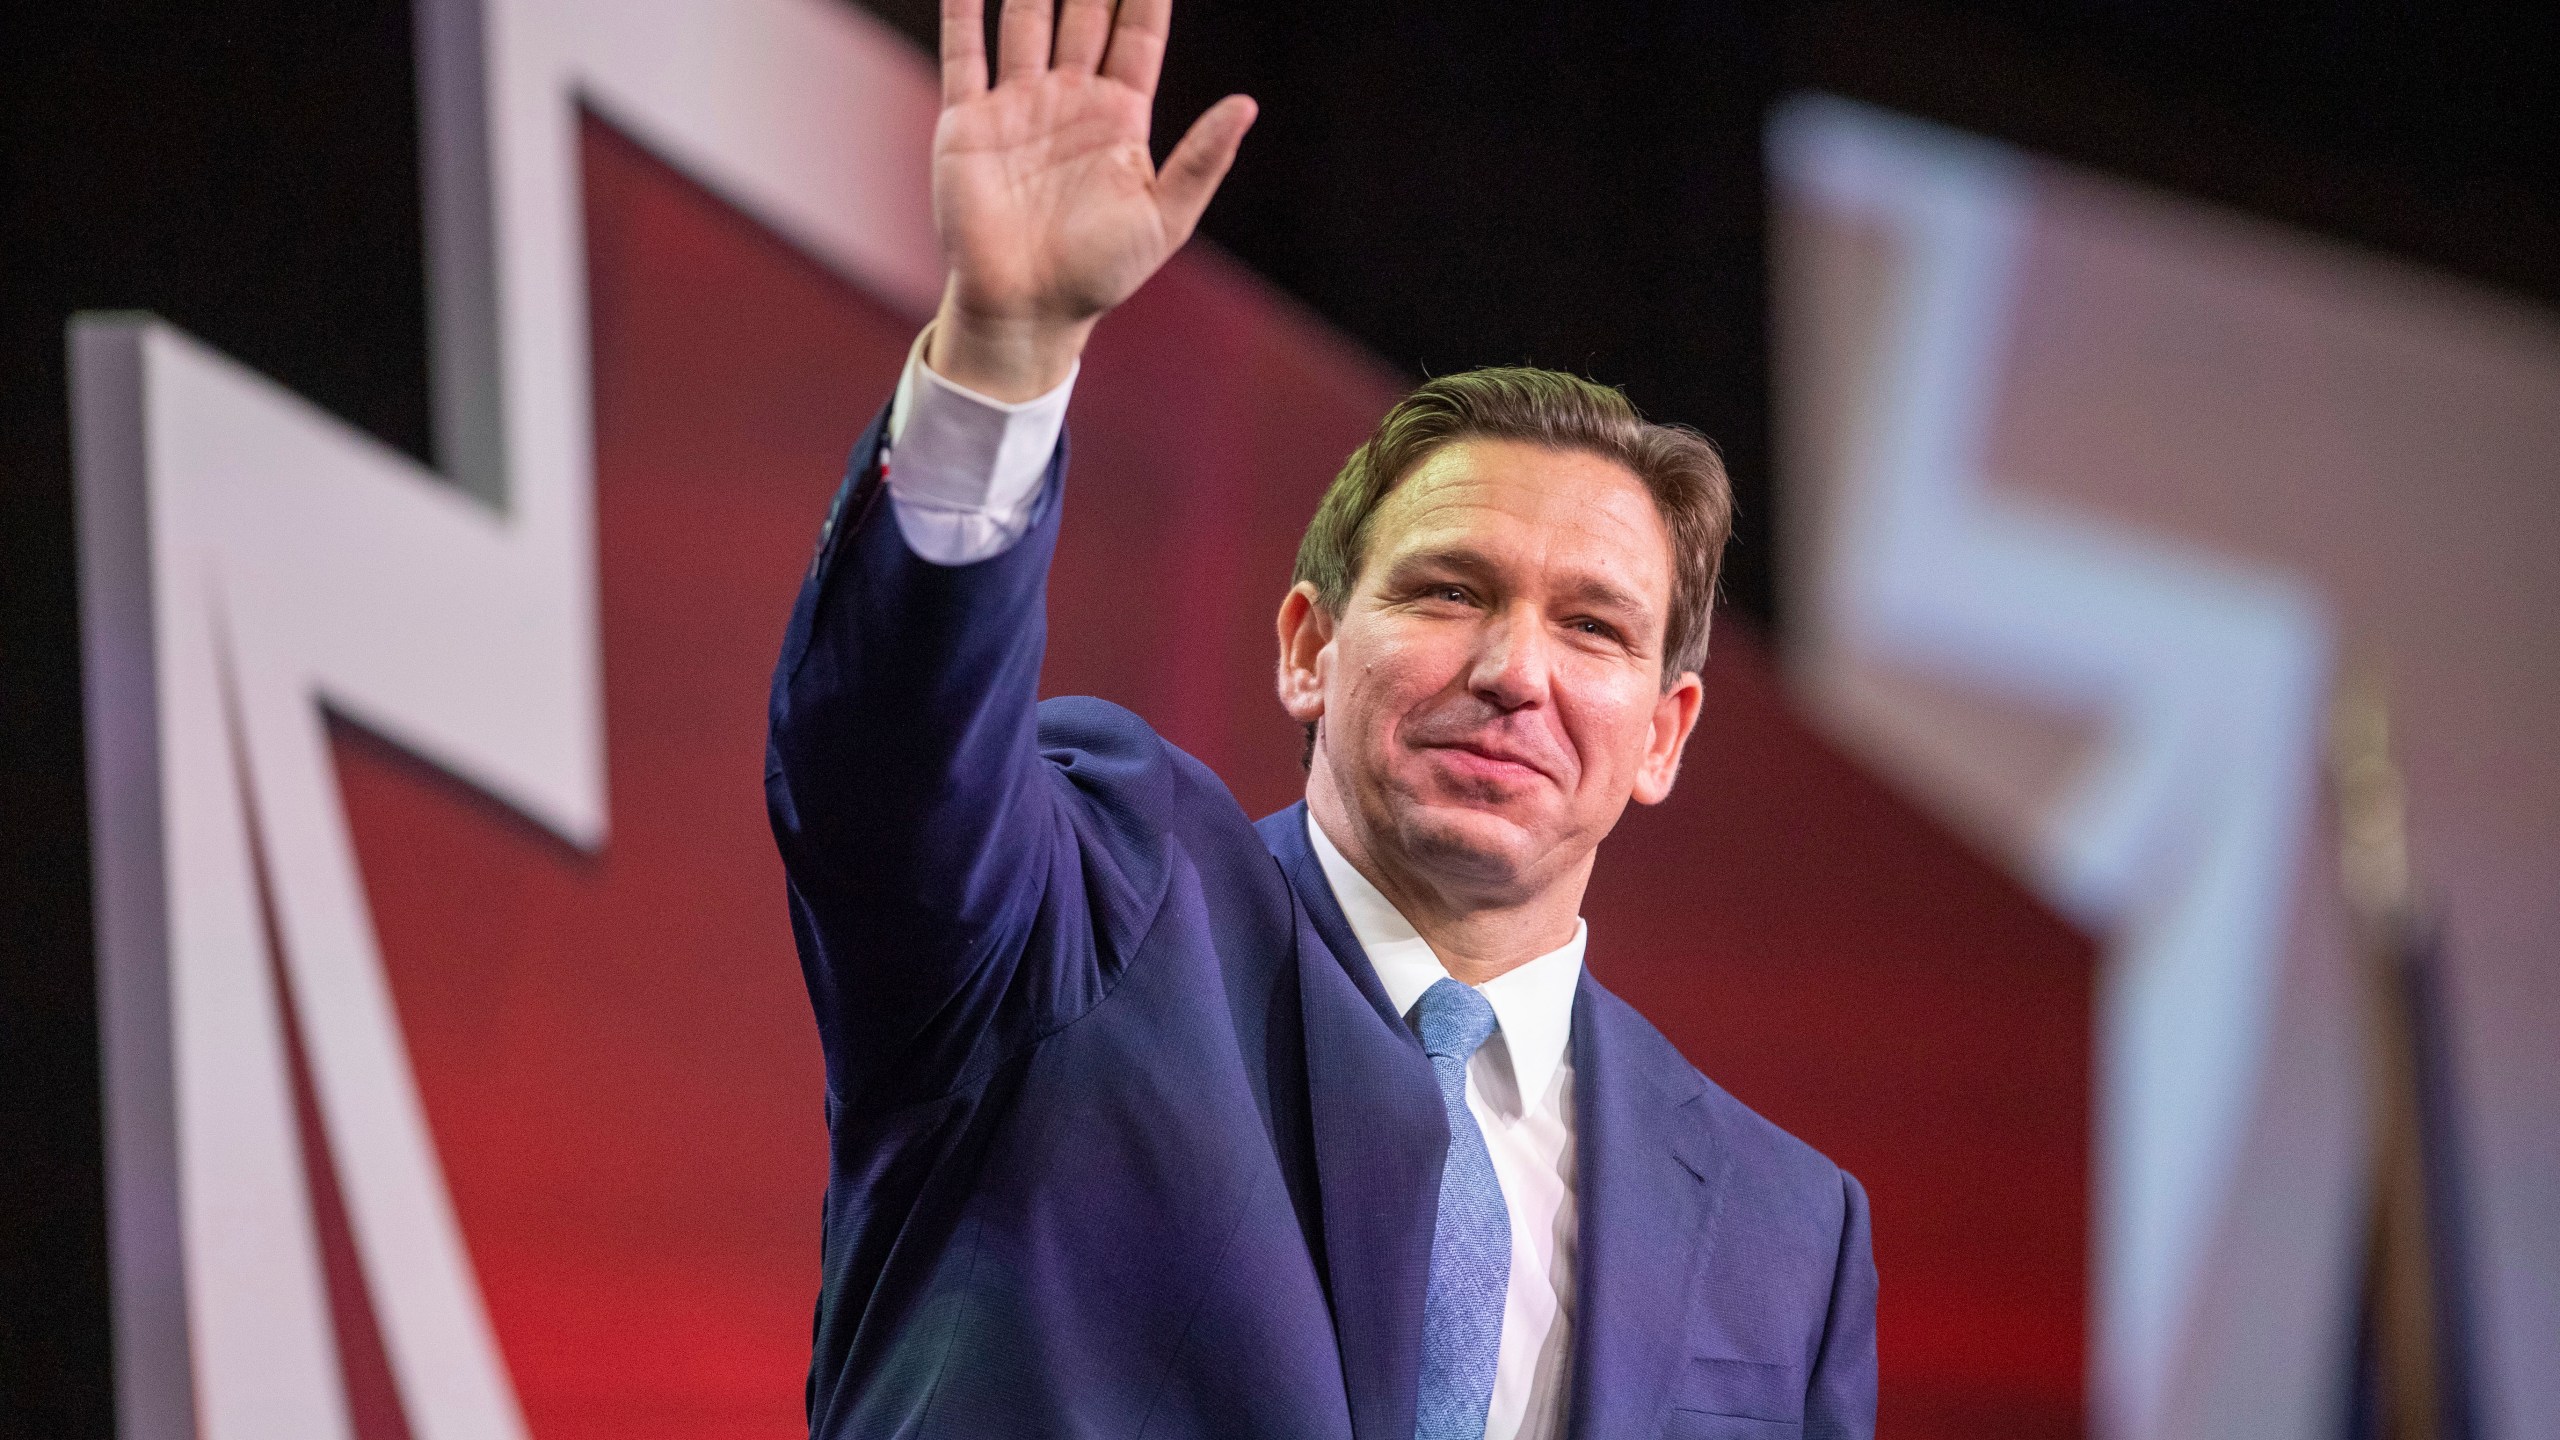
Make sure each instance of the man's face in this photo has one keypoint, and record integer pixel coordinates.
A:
(1491, 695)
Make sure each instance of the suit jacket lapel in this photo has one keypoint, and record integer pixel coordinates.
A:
(1380, 1140)
(1648, 1186)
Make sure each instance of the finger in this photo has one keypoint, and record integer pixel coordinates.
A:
(1022, 41)
(1137, 43)
(1084, 28)
(964, 50)
(1192, 172)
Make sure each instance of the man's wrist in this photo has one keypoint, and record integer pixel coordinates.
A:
(1006, 359)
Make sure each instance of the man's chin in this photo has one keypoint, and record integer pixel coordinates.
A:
(1470, 845)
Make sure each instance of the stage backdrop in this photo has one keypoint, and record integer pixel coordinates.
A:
(460, 1081)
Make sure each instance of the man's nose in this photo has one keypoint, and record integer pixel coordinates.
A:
(1510, 668)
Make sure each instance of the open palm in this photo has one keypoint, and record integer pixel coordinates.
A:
(1051, 210)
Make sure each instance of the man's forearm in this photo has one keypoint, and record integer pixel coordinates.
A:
(901, 713)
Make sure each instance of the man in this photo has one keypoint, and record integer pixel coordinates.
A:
(1149, 1120)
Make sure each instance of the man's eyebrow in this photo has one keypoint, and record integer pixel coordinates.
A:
(1465, 560)
(1592, 590)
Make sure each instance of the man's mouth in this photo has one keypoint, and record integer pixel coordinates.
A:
(1490, 762)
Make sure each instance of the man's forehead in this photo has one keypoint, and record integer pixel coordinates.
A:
(1485, 502)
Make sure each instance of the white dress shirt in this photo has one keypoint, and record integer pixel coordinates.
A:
(964, 476)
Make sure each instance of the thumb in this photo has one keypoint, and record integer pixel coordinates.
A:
(1192, 172)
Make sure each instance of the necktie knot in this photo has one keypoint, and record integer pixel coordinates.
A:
(1453, 1020)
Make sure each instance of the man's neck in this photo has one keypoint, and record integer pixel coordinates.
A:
(1476, 938)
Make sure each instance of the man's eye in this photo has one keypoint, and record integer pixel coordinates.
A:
(1455, 595)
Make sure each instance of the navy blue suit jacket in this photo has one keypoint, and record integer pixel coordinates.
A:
(1126, 1140)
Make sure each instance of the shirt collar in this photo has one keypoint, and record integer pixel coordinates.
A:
(1532, 1003)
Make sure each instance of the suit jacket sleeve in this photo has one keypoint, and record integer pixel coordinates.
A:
(1840, 1403)
(958, 887)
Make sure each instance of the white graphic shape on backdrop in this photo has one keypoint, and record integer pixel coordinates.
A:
(250, 563)
(2180, 841)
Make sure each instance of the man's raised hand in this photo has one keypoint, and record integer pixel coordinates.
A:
(1050, 207)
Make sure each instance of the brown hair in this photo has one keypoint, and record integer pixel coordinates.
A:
(1677, 465)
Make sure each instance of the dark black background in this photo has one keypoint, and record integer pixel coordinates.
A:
(1574, 184)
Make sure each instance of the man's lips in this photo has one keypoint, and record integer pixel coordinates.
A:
(1490, 761)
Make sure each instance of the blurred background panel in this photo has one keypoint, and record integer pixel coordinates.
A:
(2097, 498)
(2101, 382)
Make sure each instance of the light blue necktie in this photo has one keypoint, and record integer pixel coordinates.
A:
(1471, 1243)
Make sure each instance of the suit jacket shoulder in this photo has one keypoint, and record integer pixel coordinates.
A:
(1139, 786)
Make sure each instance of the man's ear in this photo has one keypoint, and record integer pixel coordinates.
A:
(1674, 716)
(1306, 640)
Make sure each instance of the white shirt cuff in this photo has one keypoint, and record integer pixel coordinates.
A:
(964, 471)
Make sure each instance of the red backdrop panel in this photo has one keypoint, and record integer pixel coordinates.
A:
(614, 1050)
